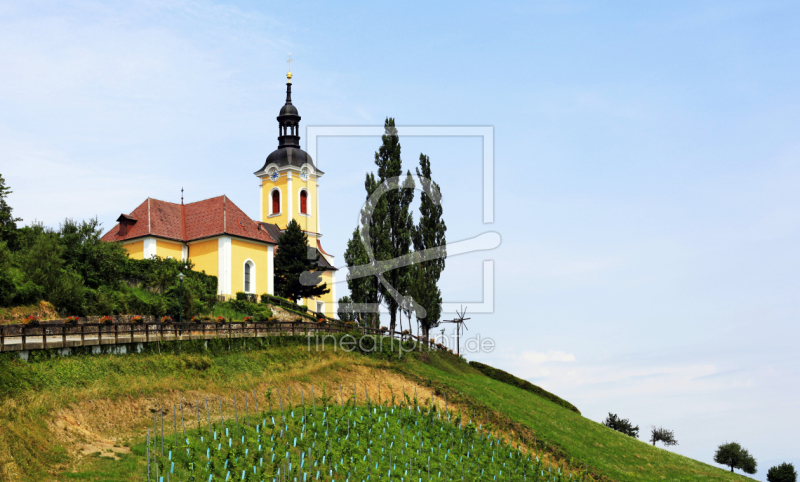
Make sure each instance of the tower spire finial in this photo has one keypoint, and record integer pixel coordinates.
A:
(181, 195)
(289, 74)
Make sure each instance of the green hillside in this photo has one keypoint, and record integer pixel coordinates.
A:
(85, 417)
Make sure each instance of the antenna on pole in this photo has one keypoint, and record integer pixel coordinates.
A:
(459, 321)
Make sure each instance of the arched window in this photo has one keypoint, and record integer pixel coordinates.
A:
(247, 271)
(276, 202)
(304, 202)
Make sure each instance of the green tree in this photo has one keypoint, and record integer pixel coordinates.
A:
(8, 289)
(345, 312)
(659, 434)
(782, 473)
(736, 457)
(621, 425)
(393, 236)
(46, 276)
(8, 223)
(363, 289)
(295, 257)
(429, 236)
(98, 262)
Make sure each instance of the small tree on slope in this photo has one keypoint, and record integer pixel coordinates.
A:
(782, 473)
(734, 456)
(660, 434)
(621, 425)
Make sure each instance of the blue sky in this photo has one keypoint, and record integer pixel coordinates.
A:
(647, 168)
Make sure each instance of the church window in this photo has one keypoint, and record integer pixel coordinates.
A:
(247, 275)
(304, 202)
(276, 202)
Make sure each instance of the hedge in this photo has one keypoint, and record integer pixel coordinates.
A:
(510, 379)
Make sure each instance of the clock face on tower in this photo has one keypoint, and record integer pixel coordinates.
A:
(304, 174)
(273, 174)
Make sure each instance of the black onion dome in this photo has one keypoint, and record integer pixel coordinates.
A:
(288, 156)
(289, 109)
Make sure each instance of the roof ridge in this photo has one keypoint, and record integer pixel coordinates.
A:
(206, 199)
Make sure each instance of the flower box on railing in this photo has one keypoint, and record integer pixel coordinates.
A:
(31, 320)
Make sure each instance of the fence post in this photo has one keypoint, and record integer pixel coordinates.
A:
(116, 334)
(83, 334)
(2, 338)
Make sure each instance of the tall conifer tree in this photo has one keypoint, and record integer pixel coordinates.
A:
(292, 260)
(392, 236)
(429, 234)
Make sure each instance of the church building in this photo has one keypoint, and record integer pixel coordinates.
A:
(220, 239)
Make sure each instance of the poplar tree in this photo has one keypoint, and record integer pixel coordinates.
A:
(391, 236)
(291, 260)
(429, 234)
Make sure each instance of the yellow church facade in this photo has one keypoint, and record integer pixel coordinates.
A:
(220, 239)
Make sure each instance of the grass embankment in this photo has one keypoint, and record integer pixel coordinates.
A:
(607, 452)
(84, 417)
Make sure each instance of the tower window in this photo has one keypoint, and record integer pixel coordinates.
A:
(303, 202)
(276, 202)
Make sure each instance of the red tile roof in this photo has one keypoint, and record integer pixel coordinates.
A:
(198, 220)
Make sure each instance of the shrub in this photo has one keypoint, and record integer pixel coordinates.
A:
(241, 296)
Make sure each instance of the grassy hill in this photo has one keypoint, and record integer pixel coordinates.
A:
(85, 417)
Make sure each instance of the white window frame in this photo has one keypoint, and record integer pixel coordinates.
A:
(280, 199)
(252, 276)
(308, 201)
(322, 305)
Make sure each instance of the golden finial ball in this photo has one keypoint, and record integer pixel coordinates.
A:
(289, 75)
